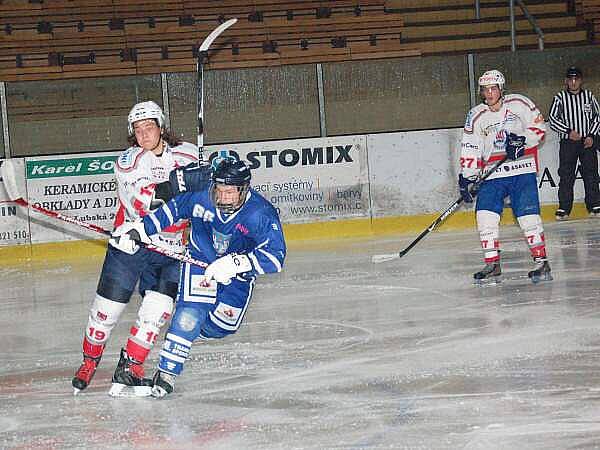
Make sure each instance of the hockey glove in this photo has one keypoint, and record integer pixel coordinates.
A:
(191, 178)
(225, 268)
(124, 237)
(468, 188)
(515, 146)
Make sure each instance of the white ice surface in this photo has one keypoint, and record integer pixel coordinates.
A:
(335, 353)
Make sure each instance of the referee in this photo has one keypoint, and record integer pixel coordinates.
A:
(575, 116)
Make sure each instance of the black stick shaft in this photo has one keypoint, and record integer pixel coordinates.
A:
(449, 211)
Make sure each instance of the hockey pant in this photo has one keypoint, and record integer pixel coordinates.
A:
(523, 193)
(204, 310)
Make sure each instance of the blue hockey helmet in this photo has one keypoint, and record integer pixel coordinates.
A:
(230, 172)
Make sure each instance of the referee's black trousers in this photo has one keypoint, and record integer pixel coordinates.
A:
(569, 153)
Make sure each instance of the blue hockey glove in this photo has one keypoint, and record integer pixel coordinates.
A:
(191, 178)
(468, 188)
(515, 146)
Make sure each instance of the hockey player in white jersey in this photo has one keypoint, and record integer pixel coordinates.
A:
(504, 126)
(238, 232)
(142, 172)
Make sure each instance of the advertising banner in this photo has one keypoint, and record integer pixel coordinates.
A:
(81, 186)
(14, 220)
(308, 180)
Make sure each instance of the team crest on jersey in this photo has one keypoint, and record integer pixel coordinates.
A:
(500, 139)
(220, 242)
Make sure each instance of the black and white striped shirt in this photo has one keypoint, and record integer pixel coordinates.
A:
(579, 112)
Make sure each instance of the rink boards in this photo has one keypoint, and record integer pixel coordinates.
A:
(344, 186)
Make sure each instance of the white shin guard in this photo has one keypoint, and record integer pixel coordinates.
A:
(104, 315)
(154, 312)
(488, 224)
(534, 233)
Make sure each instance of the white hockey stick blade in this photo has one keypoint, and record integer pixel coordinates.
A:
(7, 171)
(215, 34)
(376, 259)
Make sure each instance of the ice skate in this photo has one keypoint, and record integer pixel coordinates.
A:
(128, 379)
(85, 373)
(541, 272)
(164, 384)
(561, 214)
(595, 212)
(490, 274)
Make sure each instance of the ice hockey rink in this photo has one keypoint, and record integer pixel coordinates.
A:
(335, 353)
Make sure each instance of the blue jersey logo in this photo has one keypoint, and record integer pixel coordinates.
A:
(220, 242)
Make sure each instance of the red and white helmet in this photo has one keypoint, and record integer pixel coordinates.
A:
(492, 77)
(145, 110)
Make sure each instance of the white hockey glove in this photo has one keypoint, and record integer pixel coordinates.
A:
(124, 237)
(225, 268)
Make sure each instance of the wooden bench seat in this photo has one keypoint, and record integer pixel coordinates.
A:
(413, 33)
(21, 12)
(500, 42)
(424, 16)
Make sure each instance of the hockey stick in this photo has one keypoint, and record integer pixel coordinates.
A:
(7, 172)
(202, 58)
(453, 207)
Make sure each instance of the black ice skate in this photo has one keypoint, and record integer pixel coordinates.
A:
(164, 384)
(85, 373)
(541, 272)
(128, 379)
(490, 274)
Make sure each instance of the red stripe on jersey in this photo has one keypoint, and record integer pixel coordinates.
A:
(531, 106)
(120, 216)
(537, 131)
(192, 158)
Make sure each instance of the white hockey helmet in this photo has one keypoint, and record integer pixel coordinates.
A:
(145, 110)
(492, 77)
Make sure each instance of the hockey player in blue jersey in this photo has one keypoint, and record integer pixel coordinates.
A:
(239, 233)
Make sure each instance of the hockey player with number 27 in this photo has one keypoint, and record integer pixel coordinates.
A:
(239, 233)
(504, 126)
(143, 175)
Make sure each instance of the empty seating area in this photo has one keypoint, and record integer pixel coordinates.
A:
(588, 13)
(448, 26)
(49, 39)
(54, 39)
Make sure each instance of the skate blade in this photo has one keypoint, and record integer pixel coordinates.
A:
(122, 390)
(538, 279)
(76, 391)
(159, 393)
(488, 281)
